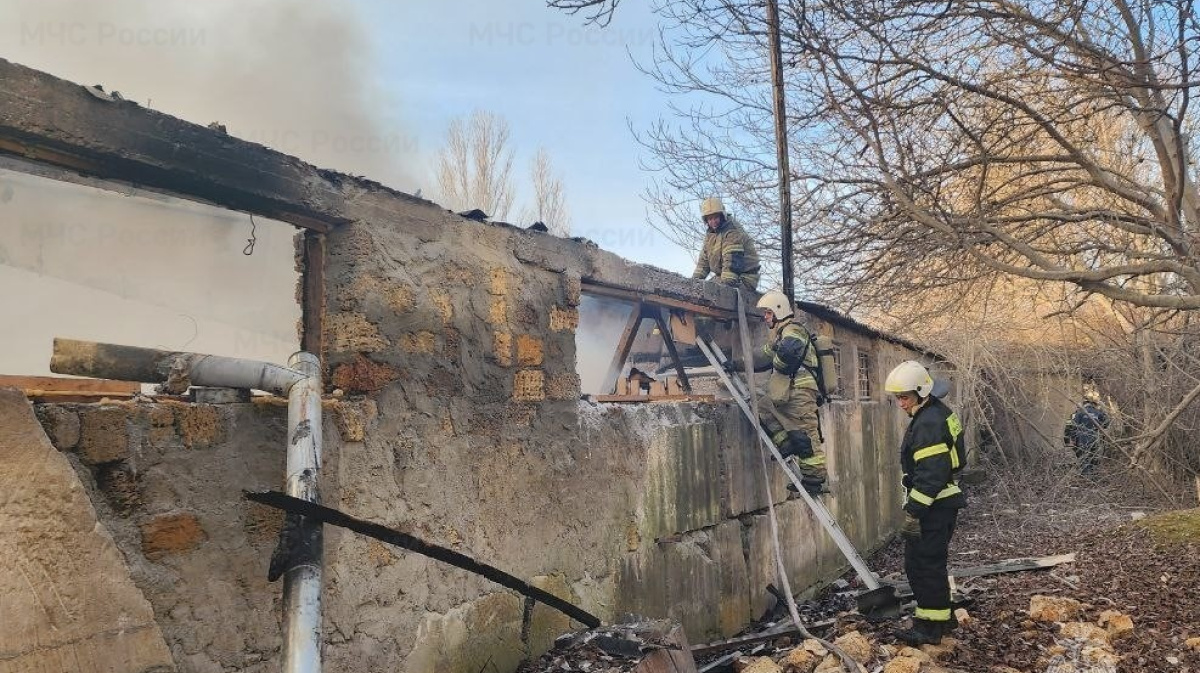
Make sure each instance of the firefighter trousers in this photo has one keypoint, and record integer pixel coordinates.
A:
(797, 411)
(925, 564)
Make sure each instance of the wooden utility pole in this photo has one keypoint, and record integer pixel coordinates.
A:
(781, 149)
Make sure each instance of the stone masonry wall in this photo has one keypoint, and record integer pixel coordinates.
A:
(458, 419)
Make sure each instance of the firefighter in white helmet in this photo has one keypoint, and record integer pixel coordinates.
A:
(788, 412)
(931, 456)
(728, 252)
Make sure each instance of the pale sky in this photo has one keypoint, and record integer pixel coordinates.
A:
(367, 87)
(400, 70)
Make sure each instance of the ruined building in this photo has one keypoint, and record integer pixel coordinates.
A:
(459, 417)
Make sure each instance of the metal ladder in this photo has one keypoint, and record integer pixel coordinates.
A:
(741, 394)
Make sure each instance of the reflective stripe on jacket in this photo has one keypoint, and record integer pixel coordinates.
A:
(788, 340)
(931, 456)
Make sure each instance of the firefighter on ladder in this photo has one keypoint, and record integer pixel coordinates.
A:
(788, 412)
(931, 456)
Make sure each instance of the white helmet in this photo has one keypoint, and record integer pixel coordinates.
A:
(909, 376)
(777, 302)
(711, 206)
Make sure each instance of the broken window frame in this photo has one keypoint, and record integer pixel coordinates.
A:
(657, 309)
(863, 386)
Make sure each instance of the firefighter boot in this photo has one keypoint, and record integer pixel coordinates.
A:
(923, 632)
(812, 474)
(812, 477)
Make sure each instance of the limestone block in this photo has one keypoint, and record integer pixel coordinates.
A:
(733, 597)
(67, 598)
(497, 311)
(1053, 608)
(353, 418)
(104, 434)
(422, 342)
(830, 664)
(762, 665)
(443, 304)
(856, 646)
(530, 351)
(1115, 622)
(200, 426)
(352, 332)
(1101, 656)
(964, 618)
(941, 650)
(502, 348)
(159, 423)
(119, 484)
(529, 385)
(800, 660)
(169, 534)
(546, 623)
(564, 319)
(573, 288)
(362, 375)
(902, 665)
(62, 425)
(1083, 631)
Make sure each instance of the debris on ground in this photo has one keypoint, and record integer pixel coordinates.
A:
(1123, 604)
(649, 646)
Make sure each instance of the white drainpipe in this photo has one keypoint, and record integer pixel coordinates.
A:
(301, 383)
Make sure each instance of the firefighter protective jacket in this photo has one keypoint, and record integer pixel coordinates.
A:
(729, 253)
(931, 456)
(789, 353)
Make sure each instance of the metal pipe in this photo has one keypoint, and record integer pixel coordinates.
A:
(302, 385)
(176, 369)
(302, 579)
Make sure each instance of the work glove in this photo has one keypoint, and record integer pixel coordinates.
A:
(911, 529)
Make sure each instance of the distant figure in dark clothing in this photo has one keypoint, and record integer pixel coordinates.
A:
(1084, 433)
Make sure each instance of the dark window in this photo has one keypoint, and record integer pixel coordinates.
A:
(864, 375)
(839, 370)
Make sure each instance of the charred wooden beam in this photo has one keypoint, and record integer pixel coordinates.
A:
(333, 517)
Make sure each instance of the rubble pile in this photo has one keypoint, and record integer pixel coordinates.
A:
(641, 647)
(811, 656)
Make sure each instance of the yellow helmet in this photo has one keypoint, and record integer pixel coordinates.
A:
(777, 303)
(711, 206)
(909, 376)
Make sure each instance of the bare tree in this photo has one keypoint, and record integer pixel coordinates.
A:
(549, 205)
(475, 167)
(599, 12)
(937, 147)
(944, 142)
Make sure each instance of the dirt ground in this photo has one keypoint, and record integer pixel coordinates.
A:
(1137, 555)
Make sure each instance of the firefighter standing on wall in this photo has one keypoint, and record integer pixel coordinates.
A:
(728, 252)
(788, 412)
(931, 456)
